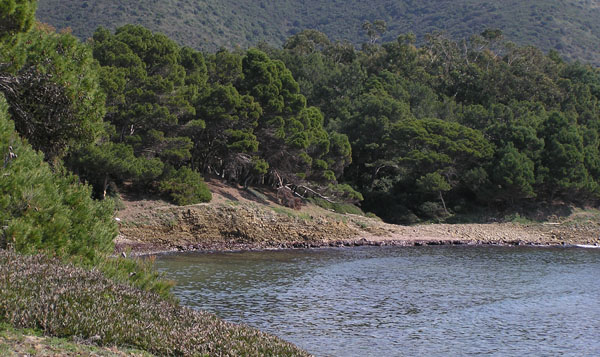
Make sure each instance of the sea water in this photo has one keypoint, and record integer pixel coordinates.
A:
(404, 301)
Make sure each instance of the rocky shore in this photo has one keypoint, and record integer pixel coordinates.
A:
(236, 220)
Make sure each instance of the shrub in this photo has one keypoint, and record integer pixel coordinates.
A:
(346, 193)
(184, 186)
(62, 300)
(53, 213)
(41, 210)
(338, 207)
(433, 210)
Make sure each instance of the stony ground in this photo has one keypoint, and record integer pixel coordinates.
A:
(242, 219)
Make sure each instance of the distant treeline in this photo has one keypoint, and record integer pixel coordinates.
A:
(415, 131)
(570, 27)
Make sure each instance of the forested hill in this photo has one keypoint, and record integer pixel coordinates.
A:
(569, 26)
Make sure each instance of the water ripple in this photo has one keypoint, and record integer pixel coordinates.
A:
(393, 301)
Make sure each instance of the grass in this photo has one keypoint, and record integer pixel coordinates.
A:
(292, 214)
(261, 197)
(63, 300)
(361, 225)
(517, 218)
(20, 342)
(284, 211)
(581, 217)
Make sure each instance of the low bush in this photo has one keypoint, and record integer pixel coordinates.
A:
(432, 210)
(184, 186)
(63, 300)
(345, 193)
(339, 207)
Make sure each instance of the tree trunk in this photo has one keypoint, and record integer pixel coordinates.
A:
(105, 187)
(444, 204)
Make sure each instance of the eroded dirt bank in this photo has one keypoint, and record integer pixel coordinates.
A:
(238, 220)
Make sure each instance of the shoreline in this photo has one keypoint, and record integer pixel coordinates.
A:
(240, 248)
(236, 220)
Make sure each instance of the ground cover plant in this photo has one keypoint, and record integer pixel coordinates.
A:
(63, 300)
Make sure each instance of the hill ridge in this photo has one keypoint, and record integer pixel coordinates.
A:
(568, 26)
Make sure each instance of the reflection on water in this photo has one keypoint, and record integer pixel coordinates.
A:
(404, 301)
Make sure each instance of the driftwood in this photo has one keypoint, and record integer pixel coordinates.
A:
(287, 193)
(316, 194)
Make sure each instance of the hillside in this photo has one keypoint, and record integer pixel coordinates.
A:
(568, 26)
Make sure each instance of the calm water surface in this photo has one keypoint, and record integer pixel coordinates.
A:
(405, 301)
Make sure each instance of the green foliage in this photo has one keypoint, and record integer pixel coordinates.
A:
(517, 218)
(563, 160)
(110, 162)
(472, 121)
(51, 85)
(404, 122)
(345, 192)
(240, 116)
(432, 210)
(148, 100)
(339, 207)
(53, 213)
(45, 211)
(184, 187)
(433, 182)
(230, 119)
(515, 172)
(260, 166)
(569, 27)
(16, 16)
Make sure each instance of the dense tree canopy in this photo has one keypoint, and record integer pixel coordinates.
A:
(457, 123)
(16, 16)
(50, 81)
(236, 114)
(420, 131)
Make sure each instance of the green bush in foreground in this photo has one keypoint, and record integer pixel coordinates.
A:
(51, 212)
(42, 210)
(63, 300)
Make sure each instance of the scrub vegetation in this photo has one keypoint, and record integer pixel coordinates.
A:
(62, 300)
(570, 27)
